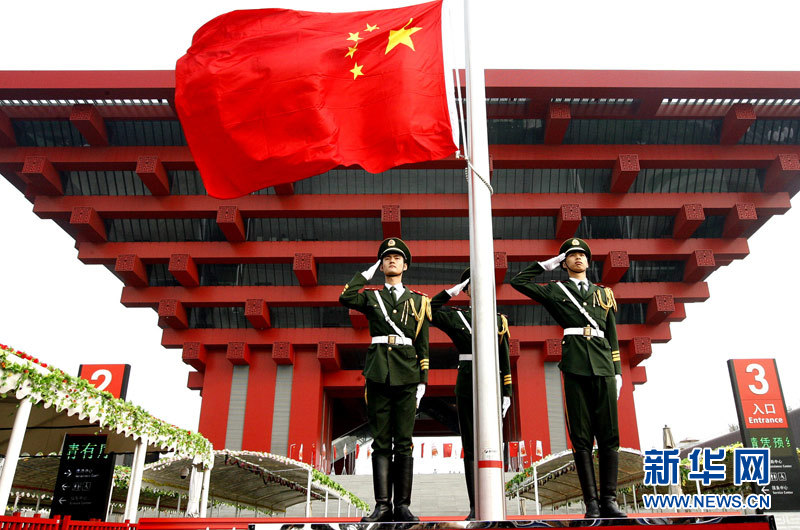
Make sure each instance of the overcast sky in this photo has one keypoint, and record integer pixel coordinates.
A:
(67, 313)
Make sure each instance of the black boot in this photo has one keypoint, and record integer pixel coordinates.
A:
(402, 477)
(609, 464)
(585, 469)
(383, 494)
(469, 474)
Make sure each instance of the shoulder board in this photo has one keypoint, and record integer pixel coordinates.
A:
(419, 293)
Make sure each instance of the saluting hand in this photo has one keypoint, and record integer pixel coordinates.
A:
(369, 273)
(553, 263)
(454, 290)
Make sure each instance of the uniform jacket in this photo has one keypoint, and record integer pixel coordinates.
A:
(402, 365)
(447, 320)
(579, 355)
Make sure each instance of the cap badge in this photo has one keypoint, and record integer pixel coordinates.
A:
(576, 242)
(391, 243)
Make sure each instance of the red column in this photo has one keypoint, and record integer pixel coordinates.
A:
(530, 398)
(257, 433)
(305, 425)
(216, 397)
(626, 408)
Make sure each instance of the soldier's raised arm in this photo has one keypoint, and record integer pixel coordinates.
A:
(524, 281)
(351, 296)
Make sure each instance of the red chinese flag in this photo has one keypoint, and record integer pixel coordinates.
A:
(270, 96)
(448, 450)
(513, 448)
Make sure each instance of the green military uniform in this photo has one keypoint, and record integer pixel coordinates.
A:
(452, 323)
(589, 361)
(395, 365)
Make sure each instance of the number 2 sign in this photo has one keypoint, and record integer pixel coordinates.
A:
(111, 378)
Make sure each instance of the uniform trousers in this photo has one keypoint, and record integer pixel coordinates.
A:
(391, 411)
(591, 411)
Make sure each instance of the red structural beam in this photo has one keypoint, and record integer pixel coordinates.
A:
(503, 156)
(328, 295)
(424, 251)
(352, 338)
(416, 205)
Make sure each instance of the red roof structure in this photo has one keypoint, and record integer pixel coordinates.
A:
(666, 173)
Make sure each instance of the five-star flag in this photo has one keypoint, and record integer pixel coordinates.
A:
(271, 96)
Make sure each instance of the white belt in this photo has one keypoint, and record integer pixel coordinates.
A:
(588, 331)
(465, 357)
(392, 339)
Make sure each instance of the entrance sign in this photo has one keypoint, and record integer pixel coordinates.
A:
(111, 378)
(764, 424)
(83, 485)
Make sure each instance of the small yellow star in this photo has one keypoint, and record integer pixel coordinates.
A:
(371, 28)
(350, 52)
(357, 71)
(401, 36)
(354, 37)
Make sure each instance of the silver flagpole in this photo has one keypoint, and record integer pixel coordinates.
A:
(490, 503)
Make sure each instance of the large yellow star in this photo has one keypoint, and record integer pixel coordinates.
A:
(357, 71)
(401, 36)
(371, 28)
(350, 52)
(354, 37)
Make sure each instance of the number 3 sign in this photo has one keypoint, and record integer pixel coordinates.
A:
(111, 378)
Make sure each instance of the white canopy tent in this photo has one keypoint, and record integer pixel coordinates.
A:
(40, 404)
(553, 480)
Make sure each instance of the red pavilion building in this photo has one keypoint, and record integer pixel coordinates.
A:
(666, 173)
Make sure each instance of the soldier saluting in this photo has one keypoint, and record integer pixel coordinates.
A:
(457, 324)
(396, 371)
(590, 366)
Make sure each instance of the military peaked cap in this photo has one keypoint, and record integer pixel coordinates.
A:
(465, 275)
(394, 245)
(575, 244)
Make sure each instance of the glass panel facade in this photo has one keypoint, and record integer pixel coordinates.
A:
(159, 276)
(358, 181)
(314, 229)
(46, 133)
(773, 132)
(257, 274)
(655, 271)
(551, 180)
(705, 180)
(186, 183)
(127, 230)
(626, 227)
(145, 132)
(670, 132)
(525, 131)
(125, 183)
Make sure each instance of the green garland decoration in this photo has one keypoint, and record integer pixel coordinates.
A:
(48, 386)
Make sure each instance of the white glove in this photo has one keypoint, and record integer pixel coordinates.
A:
(553, 263)
(506, 404)
(369, 273)
(619, 384)
(454, 290)
(420, 392)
